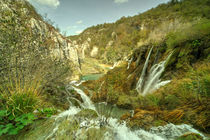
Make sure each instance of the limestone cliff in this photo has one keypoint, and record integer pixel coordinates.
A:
(21, 13)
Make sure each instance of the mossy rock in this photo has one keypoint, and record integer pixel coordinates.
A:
(125, 102)
(96, 134)
(159, 123)
(87, 113)
(67, 129)
(142, 119)
(190, 136)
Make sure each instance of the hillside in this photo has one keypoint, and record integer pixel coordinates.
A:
(35, 61)
(115, 41)
(145, 77)
(166, 72)
(20, 16)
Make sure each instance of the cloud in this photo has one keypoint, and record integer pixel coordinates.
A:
(79, 22)
(78, 32)
(120, 1)
(50, 3)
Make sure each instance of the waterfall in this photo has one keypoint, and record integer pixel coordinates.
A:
(62, 125)
(141, 79)
(115, 64)
(87, 103)
(152, 81)
(129, 63)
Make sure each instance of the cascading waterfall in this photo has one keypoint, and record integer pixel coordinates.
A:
(140, 83)
(112, 129)
(87, 103)
(151, 82)
(70, 124)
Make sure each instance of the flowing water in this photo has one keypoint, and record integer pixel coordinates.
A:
(92, 77)
(150, 82)
(129, 63)
(98, 122)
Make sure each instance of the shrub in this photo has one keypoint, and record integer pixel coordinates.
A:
(48, 112)
(152, 100)
(21, 100)
(193, 32)
(12, 125)
(17, 108)
(170, 101)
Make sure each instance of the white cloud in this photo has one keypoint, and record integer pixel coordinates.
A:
(79, 22)
(120, 1)
(78, 32)
(50, 3)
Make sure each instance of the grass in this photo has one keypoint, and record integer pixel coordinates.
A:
(193, 32)
(17, 106)
(20, 99)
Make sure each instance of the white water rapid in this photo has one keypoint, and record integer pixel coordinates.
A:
(150, 82)
(112, 129)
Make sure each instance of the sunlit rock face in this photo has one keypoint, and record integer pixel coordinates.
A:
(94, 51)
(60, 46)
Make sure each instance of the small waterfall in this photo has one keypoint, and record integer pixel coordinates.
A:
(140, 83)
(152, 81)
(129, 63)
(115, 64)
(87, 103)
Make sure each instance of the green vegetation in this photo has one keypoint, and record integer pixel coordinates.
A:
(193, 32)
(87, 113)
(12, 125)
(48, 112)
(17, 106)
(190, 136)
(32, 82)
(152, 26)
(28, 72)
(184, 100)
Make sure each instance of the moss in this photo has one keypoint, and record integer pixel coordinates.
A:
(159, 123)
(98, 134)
(191, 136)
(170, 101)
(152, 100)
(125, 102)
(87, 113)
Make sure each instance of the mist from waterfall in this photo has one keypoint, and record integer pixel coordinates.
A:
(150, 82)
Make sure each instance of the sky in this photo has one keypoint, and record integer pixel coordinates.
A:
(73, 16)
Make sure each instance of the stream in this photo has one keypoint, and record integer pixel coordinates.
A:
(88, 121)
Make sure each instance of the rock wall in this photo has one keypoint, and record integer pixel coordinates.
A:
(60, 46)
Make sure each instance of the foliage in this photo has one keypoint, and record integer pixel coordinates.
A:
(25, 53)
(48, 112)
(11, 124)
(153, 100)
(21, 100)
(129, 33)
(191, 136)
(196, 31)
(172, 101)
(17, 106)
(27, 68)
